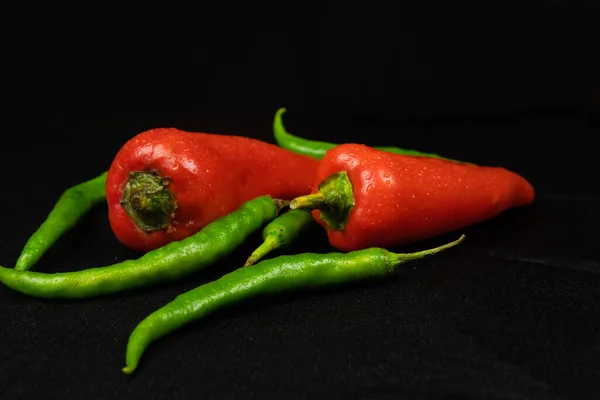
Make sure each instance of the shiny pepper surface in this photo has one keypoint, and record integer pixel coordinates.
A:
(166, 184)
(378, 199)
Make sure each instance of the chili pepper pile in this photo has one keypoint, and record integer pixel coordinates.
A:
(188, 199)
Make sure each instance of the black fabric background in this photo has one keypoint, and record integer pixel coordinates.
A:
(513, 313)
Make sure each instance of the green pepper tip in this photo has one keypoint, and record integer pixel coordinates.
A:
(251, 260)
(128, 370)
(395, 259)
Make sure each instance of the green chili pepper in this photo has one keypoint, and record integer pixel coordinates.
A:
(317, 149)
(273, 276)
(73, 204)
(166, 263)
(281, 232)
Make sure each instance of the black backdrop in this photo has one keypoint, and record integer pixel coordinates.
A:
(511, 314)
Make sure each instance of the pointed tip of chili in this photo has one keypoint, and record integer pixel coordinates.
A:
(396, 259)
(128, 370)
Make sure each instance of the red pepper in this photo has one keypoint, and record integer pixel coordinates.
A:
(166, 184)
(365, 198)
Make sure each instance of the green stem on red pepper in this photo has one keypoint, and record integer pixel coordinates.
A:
(148, 201)
(335, 199)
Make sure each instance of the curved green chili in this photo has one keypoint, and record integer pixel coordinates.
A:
(73, 204)
(272, 276)
(317, 149)
(166, 263)
(281, 232)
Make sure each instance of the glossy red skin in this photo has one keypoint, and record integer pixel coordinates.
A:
(211, 175)
(402, 199)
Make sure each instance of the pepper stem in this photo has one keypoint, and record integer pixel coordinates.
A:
(310, 201)
(148, 201)
(335, 200)
(395, 259)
